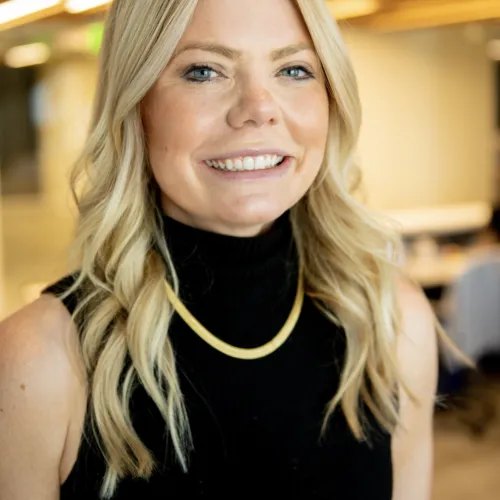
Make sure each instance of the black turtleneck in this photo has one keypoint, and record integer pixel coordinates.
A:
(255, 424)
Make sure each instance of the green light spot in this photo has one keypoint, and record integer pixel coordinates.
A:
(95, 35)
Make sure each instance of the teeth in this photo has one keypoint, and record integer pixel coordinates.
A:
(261, 162)
(247, 163)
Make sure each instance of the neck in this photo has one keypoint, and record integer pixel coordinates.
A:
(219, 226)
(232, 270)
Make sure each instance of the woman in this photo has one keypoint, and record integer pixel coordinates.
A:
(239, 325)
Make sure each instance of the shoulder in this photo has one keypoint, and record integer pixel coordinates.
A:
(40, 329)
(417, 339)
(40, 332)
(417, 349)
(60, 289)
(417, 358)
(41, 378)
(412, 302)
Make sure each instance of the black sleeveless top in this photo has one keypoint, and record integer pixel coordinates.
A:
(255, 424)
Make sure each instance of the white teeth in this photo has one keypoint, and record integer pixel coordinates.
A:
(247, 163)
(261, 162)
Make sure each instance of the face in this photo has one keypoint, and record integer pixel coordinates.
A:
(237, 123)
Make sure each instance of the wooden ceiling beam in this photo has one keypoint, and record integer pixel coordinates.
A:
(384, 15)
(31, 17)
(413, 14)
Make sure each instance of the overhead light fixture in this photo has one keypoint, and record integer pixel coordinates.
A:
(27, 55)
(346, 9)
(14, 10)
(77, 6)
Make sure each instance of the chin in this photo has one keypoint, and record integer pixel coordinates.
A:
(250, 220)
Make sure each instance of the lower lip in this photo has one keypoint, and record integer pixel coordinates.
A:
(249, 175)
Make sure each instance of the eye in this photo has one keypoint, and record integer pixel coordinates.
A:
(201, 74)
(297, 73)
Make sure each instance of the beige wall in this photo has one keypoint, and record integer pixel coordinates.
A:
(38, 229)
(427, 137)
(69, 89)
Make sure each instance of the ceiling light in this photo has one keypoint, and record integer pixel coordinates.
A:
(17, 9)
(27, 55)
(77, 6)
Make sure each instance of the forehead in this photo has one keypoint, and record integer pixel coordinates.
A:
(247, 24)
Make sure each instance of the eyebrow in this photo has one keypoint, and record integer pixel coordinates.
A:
(234, 54)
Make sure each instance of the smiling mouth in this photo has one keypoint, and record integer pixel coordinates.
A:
(247, 163)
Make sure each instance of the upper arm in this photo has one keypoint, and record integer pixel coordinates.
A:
(417, 353)
(37, 385)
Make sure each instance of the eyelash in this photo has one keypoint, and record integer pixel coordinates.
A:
(308, 73)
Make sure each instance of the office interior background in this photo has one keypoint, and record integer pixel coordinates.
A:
(429, 76)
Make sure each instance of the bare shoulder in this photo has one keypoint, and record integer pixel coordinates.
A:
(417, 343)
(41, 381)
(414, 305)
(40, 335)
(417, 340)
(418, 361)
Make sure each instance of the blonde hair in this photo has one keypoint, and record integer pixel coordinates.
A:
(123, 313)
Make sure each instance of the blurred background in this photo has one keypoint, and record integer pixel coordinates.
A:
(429, 75)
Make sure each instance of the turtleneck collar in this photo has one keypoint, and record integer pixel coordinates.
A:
(232, 269)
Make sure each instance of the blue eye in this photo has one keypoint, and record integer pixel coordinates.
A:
(201, 74)
(297, 73)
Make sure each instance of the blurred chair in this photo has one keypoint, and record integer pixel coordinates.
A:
(473, 308)
(472, 319)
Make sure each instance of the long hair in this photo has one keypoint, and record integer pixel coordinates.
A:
(124, 315)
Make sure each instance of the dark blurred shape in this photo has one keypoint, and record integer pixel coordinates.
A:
(494, 224)
(18, 136)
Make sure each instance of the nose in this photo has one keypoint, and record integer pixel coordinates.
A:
(255, 107)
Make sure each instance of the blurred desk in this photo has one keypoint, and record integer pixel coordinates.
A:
(436, 271)
(442, 268)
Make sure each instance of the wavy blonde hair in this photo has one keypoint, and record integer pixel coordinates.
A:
(348, 256)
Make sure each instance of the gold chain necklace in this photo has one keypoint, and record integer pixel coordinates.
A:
(239, 352)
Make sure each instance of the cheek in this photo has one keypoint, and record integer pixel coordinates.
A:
(310, 123)
(177, 124)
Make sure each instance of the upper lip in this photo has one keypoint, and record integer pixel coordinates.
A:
(250, 152)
